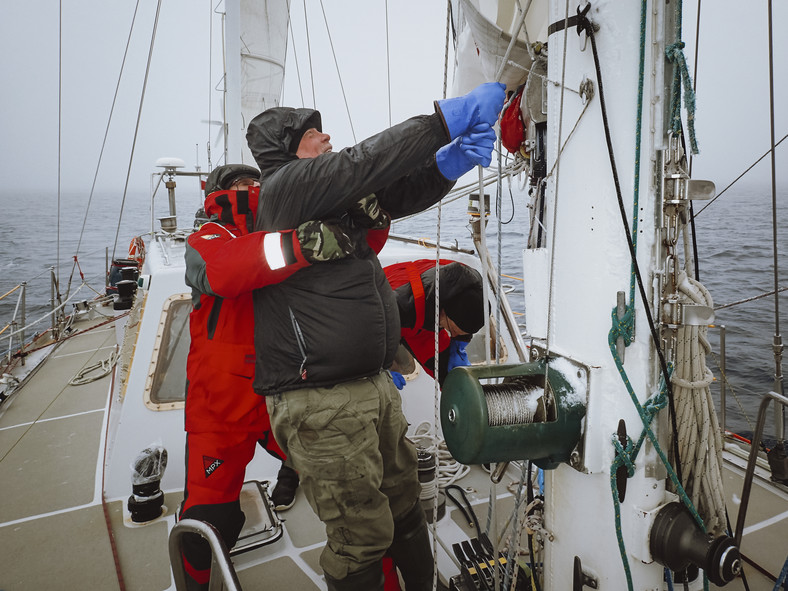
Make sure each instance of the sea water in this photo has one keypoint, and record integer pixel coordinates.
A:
(734, 236)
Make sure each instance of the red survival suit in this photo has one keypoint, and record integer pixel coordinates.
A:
(224, 417)
(413, 283)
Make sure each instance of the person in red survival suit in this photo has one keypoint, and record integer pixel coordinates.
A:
(224, 417)
(461, 312)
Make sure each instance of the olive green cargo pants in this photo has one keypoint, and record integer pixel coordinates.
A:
(357, 469)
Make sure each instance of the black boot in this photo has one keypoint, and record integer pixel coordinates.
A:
(284, 493)
(368, 579)
(411, 550)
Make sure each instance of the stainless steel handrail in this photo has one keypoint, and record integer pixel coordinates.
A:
(222, 572)
(756, 443)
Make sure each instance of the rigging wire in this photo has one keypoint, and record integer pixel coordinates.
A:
(695, 255)
(388, 59)
(309, 53)
(59, 126)
(225, 130)
(211, 10)
(295, 61)
(339, 75)
(137, 125)
(436, 314)
(777, 342)
(557, 167)
(751, 299)
(103, 143)
(738, 178)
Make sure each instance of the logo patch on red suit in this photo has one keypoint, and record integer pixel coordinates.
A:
(210, 464)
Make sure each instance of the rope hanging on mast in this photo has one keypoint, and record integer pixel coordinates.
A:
(681, 75)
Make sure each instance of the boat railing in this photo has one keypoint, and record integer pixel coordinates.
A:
(723, 375)
(754, 448)
(223, 574)
(18, 328)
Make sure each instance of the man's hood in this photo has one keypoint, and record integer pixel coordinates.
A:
(273, 136)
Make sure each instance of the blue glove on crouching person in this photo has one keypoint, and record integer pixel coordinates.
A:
(457, 355)
(481, 105)
(466, 151)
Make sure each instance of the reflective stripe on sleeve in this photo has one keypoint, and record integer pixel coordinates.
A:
(272, 248)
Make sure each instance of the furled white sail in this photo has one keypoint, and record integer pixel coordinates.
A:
(484, 31)
(256, 46)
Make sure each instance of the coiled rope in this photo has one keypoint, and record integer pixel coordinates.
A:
(699, 437)
(86, 375)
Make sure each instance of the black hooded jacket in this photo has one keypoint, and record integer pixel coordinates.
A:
(335, 321)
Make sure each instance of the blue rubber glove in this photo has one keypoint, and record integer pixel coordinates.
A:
(457, 355)
(481, 105)
(399, 379)
(466, 151)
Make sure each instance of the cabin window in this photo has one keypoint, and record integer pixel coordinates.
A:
(165, 388)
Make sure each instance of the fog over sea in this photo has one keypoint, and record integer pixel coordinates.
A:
(734, 239)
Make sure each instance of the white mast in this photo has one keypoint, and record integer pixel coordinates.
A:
(235, 142)
(586, 259)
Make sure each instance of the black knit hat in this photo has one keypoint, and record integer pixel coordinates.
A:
(223, 177)
(466, 310)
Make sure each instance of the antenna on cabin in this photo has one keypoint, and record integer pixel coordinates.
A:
(170, 166)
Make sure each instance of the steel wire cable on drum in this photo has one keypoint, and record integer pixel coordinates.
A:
(511, 403)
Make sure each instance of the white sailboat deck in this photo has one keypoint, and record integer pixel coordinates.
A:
(53, 529)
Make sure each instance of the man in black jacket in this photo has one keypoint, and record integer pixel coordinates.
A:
(326, 335)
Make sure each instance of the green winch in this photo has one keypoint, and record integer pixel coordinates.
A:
(534, 413)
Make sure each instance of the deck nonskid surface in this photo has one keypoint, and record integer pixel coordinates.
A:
(50, 436)
(50, 446)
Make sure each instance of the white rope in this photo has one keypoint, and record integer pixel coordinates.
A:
(105, 365)
(448, 470)
(700, 440)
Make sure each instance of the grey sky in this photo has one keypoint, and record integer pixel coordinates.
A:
(733, 89)
(94, 37)
(732, 120)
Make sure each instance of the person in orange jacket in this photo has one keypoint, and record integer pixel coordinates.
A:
(461, 312)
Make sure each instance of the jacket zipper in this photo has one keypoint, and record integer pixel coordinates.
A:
(383, 312)
(301, 344)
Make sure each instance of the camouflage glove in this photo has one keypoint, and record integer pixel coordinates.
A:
(366, 213)
(321, 241)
